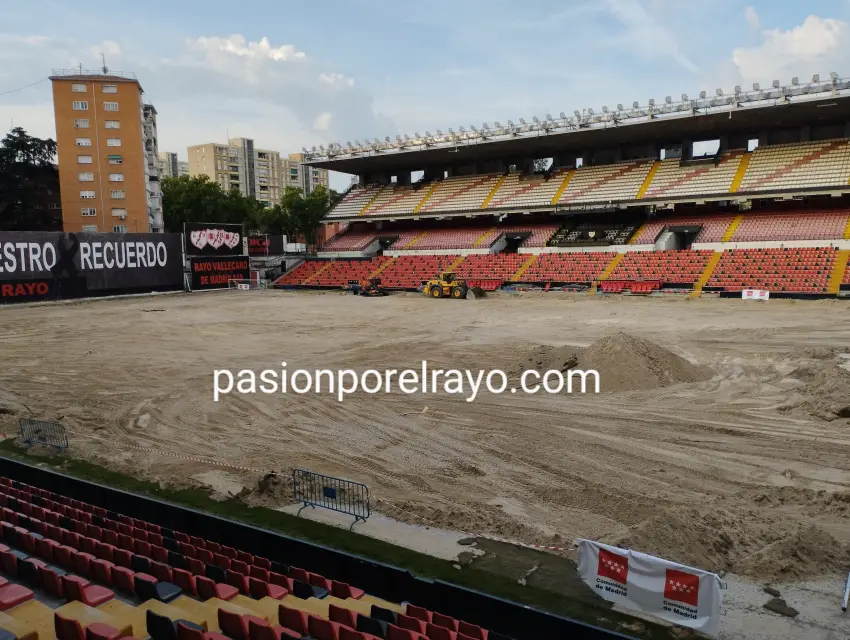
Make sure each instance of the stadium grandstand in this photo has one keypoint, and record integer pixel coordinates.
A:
(740, 190)
(74, 570)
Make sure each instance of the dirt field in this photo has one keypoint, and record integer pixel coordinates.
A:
(746, 470)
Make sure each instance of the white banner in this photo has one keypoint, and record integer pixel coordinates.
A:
(755, 294)
(683, 595)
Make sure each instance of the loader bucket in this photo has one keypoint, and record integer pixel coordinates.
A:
(474, 293)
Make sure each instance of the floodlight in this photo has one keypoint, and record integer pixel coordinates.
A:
(668, 100)
(510, 123)
(522, 121)
(816, 78)
(833, 75)
(719, 92)
(795, 81)
(776, 84)
(684, 97)
(549, 117)
(439, 133)
(702, 95)
(348, 144)
(407, 137)
(652, 102)
(577, 112)
(472, 126)
(604, 108)
(563, 116)
(322, 147)
(619, 107)
(387, 139)
(314, 149)
(427, 134)
(535, 119)
(398, 138)
(451, 131)
(635, 105)
(498, 124)
(461, 129)
(590, 111)
(737, 89)
(486, 126)
(357, 142)
(377, 142)
(304, 149)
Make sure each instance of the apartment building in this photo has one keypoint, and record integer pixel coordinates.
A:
(102, 140)
(170, 166)
(152, 160)
(260, 173)
(308, 177)
(239, 165)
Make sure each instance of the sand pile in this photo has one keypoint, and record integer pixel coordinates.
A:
(624, 363)
(826, 394)
(806, 552)
(717, 539)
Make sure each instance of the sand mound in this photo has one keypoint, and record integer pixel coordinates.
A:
(826, 394)
(627, 363)
(806, 552)
(624, 363)
(719, 539)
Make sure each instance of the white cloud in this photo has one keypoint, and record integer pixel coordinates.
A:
(818, 45)
(644, 34)
(237, 45)
(323, 121)
(336, 78)
(752, 18)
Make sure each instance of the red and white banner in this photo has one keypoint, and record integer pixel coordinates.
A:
(683, 595)
(755, 294)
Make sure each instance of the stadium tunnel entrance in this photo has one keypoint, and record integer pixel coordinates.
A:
(679, 237)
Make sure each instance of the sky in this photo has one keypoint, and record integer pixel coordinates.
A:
(290, 73)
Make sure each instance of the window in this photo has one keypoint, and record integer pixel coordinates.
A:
(89, 228)
(80, 105)
(110, 106)
(78, 88)
(117, 194)
(84, 160)
(113, 142)
(113, 124)
(86, 195)
(115, 159)
(116, 177)
(110, 88)
(119, 228)
(119, 213)
(83, 142)
(86, 176)
(81, 123)
(88, 211)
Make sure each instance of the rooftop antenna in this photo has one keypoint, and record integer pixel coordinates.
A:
(104, 68)
(81, 68)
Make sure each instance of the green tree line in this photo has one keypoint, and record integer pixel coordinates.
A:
(198, 199)
(29, 183)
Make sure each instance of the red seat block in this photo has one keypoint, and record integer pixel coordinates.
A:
(293, 619)
(208, 589)
(321, 629)
(342, 616)
(77, 588)
(100, 631)
(439, 633)
(12, 595)
(68, 629)
(418, 612)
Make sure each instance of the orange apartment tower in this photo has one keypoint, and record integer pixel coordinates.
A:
(102, 140)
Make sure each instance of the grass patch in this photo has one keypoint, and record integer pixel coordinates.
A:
(555, 589)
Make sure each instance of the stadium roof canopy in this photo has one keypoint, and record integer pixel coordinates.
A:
(703, 118)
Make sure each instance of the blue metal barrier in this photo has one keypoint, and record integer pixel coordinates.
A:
(336, 494)
(52, 434)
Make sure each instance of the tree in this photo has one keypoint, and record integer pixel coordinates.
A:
(29, 183)
(198, 199)
(307, 211)
(335, 197)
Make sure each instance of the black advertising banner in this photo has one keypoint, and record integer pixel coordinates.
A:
(265, 246)
(213, 239)
(215, 273)
(42, 265)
